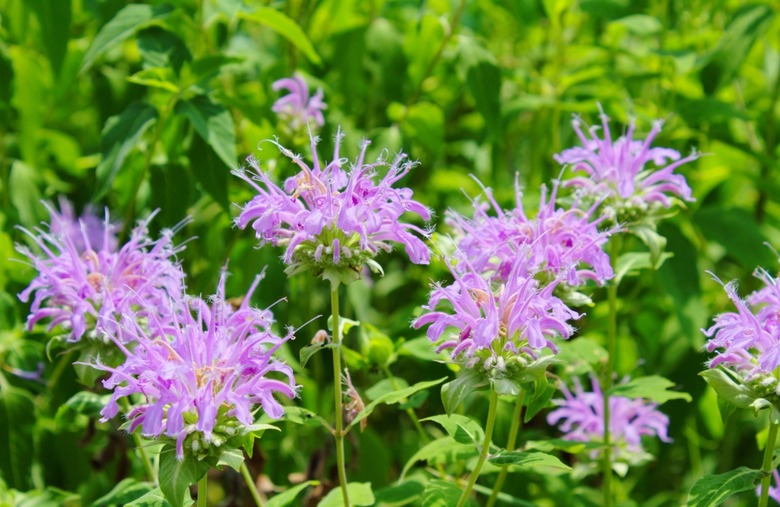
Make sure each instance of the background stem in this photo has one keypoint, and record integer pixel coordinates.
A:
(491, 419)
(203, 485)
(766, 466)
(511, 443)
(250, 482)
(606, 381)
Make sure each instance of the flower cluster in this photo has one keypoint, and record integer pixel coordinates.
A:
(559, 243)
(332, 220)
(85, 282)
(297, 108)
(748, 342)
(501, 329)
(581, 416)
(619, 172)
(200, 374)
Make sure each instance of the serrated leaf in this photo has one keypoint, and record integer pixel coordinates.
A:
(177, 476)
(232, 458)
(214, 123)
(385, 386)
(287, 497)
(652, 387)
(713, 490)
(463, 429)
(542, 394)
(445, 446)
(125, 492)
(394, 397)
(285, 27)
(119, 137)
(559, 444)
(121, 27)
(440, 493)
(360, 494)
(300, 415)
(539, 461)
(154, 498)
(454, 392)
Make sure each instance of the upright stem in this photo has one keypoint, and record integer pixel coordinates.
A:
(491, 419)
(203, 485)
(766, 466)
(339, 433)
(606, 382)
(251, 485)
(511, 443)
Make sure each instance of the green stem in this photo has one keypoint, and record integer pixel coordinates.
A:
(339, 433)
(606, 382)
(203, 486)
(491, 419)
(139, 446)
(251, 485)
(766, 466)
(511, 444)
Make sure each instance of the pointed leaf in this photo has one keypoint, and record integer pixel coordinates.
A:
(232, 458)
(54, 17)
(214, 123)
(121, 27)
(394, 397)
(154, 498)
(728, 389)
(285, 27)
(559, 444)
(542, 394)
(441, 447)
(400, 494)
(123, 493)
(440, 493)
(463, 429)
(359, 494)
(653, 387)
(453, 393)
(713, 490)
(309, 350)
(538, 461)
(287, 497)
(17, 420)
(177, 476)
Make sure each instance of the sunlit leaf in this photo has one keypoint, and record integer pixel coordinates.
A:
(286, 27)
(360, 493)
(713, 490)
(652, 387)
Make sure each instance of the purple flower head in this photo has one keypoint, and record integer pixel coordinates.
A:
(563, 243)
(500, 329)
(332, 220)
(637, 180)
(202, 373)
(89, 286)
(88, 229)
(298, 107)
(581, 416)
(748, 341)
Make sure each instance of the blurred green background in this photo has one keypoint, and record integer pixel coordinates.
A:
(150, 105)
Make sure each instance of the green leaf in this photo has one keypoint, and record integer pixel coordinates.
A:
(162, 49)
(653, 387)
(385, 386)
(232, 458)
(445, 447)
(538, 461)
(420, 47)
(542, 394)
(559, 444)
(157, 77)
(359, 494)
(123, 493)
(82, 403)
(154, 498)
(400, 494)
(483, 78)
(728, 389)
(177, 476)
(285, 27)
(120, 135)
(654, 242)
(424, 123)
(738, 232)
(214, 123)
(641, 24)
(582, 354)
(463, 429)
(209, 171)
(309, 350)
(394, 397)
(121, 27)
(713, 490)
(466, 382)
(54, 17)
(287, 497)
(17, 420)
(300, 415)
(440, 493)
(632, 262)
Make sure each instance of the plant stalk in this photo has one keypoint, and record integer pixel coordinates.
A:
(203, 485)
(139, 445)
(491, 419)
(339, 433)
(251, 485)
(511, 443)
(606, 382)
(766, 466)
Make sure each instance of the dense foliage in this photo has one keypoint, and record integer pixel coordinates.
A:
(159, 116)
